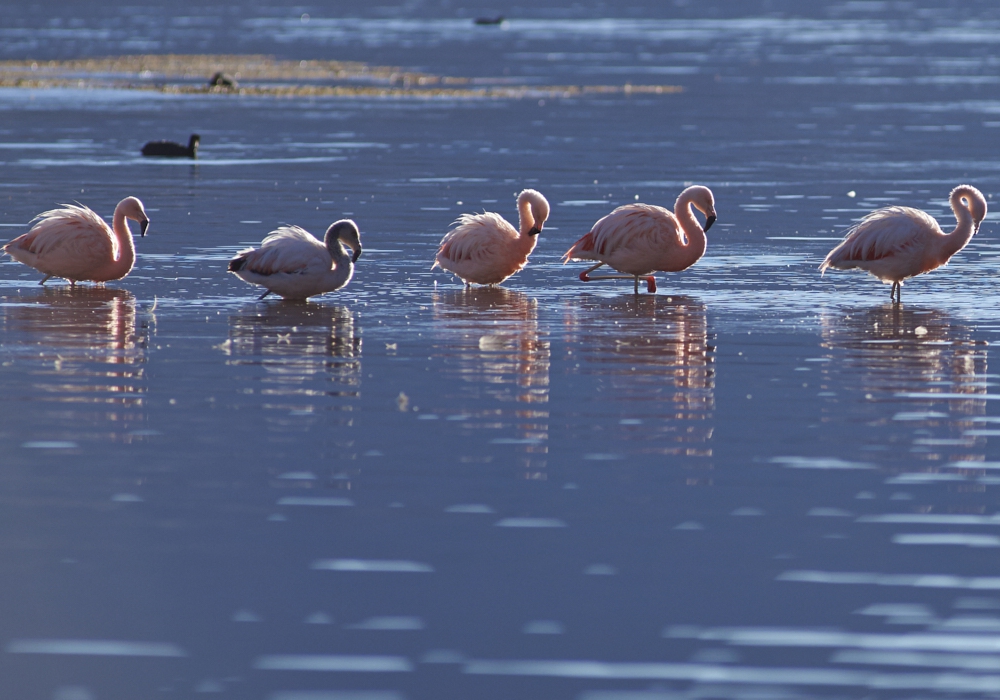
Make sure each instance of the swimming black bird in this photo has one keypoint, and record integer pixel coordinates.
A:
(499, 19)
(170, 149)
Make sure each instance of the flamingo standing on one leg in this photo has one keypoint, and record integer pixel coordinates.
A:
(896, 243)
(485, 249)
(639, 239)
(292, 263)
(75, 243)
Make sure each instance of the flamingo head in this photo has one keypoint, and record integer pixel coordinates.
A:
(703, 200)
(533, 209)
(345, 231)
(971, 199)
(132, 208)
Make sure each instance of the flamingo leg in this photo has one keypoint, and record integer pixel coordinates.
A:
(894, 293)
(45, 279)
(650, 280)
(263, 295)
(585, 275)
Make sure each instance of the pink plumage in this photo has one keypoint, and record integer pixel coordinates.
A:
(896, 243)
(75, 243)
(294, 264)
(485, 249)
(639, 239)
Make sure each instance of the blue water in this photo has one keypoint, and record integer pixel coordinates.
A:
(758, 482)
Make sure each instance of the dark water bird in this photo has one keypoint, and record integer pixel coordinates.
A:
(74, 242)
(486, 21)
(292, 263)
(170, 149)
(896, 243)
(223, 81)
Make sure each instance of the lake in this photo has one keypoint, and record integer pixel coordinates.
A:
(759, 482)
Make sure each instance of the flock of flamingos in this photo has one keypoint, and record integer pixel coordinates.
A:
(637, 240)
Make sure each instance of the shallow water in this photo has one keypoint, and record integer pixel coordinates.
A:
(759, 482)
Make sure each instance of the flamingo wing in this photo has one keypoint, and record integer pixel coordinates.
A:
(636, 232)
(884, 234)
(288, 250)
(75, 237)
(476, 238)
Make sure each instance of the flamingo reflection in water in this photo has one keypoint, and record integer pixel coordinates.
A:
(86, 349)
(303, 357)
(489, 341)
(911, 354)
(654, 359)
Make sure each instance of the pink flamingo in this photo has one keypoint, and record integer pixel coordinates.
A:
(638, 239)
(485, 249)
(896, 243)
(292, 263)
(75, 243)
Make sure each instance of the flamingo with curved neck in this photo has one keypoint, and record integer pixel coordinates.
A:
(75, 243)
(293, 264)
(639, 239)
(486, 249)
(896, 243)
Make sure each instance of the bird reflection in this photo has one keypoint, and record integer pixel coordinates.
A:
(82, 346)
(489, 339)
(307, 353)
(653, 356)
(896, 349)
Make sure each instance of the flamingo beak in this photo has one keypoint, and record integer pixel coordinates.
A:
(709, 221)
(143, 225)
(357, 254)
(535, 230)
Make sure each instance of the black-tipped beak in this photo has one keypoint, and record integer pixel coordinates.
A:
(709, 221)
(143, 225)
(357, 254)
(534, 231)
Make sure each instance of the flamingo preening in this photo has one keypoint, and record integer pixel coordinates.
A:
(294, 264)
(485, 249)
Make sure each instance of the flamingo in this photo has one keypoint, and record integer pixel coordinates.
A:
(485, 249)
(169, 149)
(638, 239)
(75, 243)
(895, 243)
(294, 264)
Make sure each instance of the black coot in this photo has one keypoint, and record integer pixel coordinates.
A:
(170, 149)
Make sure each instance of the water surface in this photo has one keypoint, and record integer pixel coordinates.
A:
(758, 482)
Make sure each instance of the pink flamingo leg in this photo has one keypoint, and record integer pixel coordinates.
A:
(651, 284)
(585, 275)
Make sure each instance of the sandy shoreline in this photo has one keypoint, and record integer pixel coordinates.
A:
(259, 75)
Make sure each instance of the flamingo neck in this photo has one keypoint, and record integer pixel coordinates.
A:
(696, 242)
(343, 267)
(525, 218)
(125, 258)
(965, 228)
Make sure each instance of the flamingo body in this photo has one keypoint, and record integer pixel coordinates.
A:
(639, 239)
(896, 243)
(75, 243)
(486, 249)
(294, 264)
